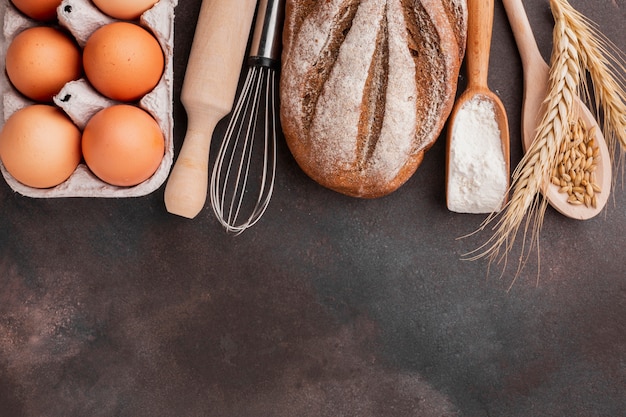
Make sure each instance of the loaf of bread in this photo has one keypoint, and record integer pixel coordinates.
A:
(366, 87)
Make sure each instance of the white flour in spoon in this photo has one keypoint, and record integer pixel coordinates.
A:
(477, 175)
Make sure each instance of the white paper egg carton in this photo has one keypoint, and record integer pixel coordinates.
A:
(80, 101)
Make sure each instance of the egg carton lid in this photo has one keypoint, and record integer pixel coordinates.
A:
(80, 101)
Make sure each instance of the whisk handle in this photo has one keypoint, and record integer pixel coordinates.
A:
(266, 43)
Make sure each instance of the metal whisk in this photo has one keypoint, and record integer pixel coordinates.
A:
(240, 166)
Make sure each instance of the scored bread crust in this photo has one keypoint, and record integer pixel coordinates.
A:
(366, 87)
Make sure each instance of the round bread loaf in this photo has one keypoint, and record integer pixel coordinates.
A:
(366, 87)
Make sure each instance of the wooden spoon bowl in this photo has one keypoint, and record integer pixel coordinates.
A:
(480, 20)
(536, 81)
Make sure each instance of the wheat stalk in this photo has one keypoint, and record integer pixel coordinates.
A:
(607, 69)
(578, 48)
(534, 170)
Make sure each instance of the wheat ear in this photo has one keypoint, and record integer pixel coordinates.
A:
(607, 69)
(533, 171)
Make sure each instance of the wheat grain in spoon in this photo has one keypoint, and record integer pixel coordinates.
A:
(536, 81)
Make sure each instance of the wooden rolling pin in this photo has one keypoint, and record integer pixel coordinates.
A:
(208, 93)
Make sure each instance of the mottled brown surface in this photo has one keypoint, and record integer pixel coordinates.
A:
(330, 306)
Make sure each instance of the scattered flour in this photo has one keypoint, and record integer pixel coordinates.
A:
(477, 175)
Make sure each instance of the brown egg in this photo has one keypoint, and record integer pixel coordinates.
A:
(123, 145)
(43, 10)
(41, 60)
(40, 146)
(124, 9)
(123, 61)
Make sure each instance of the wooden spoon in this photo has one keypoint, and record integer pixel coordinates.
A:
(208, 93)
(536, 81)
(480, 26)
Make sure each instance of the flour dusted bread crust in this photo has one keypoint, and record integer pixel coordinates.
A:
(366, 87)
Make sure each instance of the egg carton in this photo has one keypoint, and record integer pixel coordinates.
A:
(80, 101)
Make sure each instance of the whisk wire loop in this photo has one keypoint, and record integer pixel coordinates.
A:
(239, 166)
(236, 167)
(251, 99)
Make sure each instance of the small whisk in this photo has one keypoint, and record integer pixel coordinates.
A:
(239, 166)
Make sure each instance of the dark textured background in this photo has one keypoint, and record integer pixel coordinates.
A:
(330, 306)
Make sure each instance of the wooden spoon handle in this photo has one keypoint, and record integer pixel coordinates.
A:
(523, 33)
(479, 30)
(208, 94)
